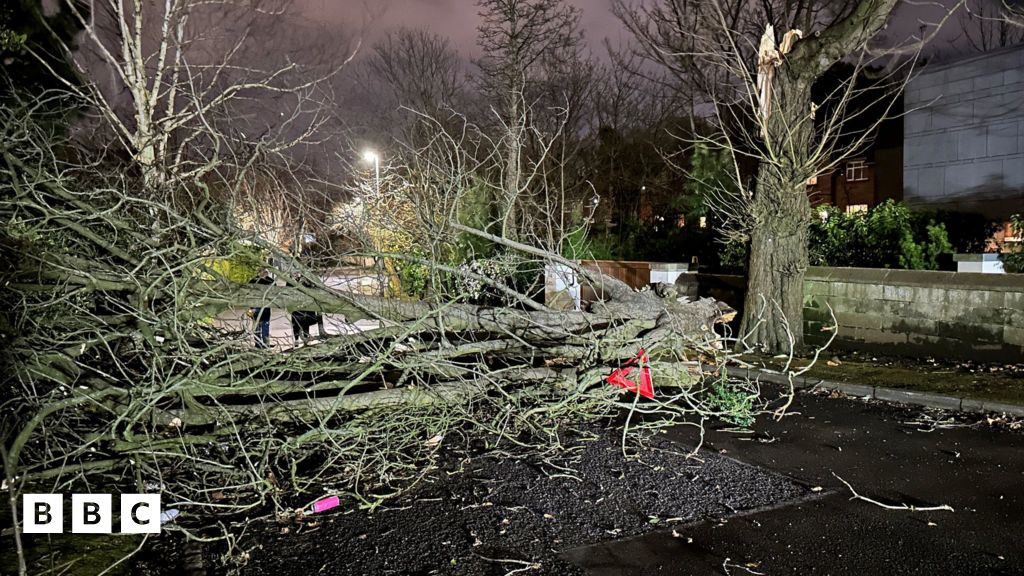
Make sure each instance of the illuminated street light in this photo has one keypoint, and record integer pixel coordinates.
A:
(372, 156)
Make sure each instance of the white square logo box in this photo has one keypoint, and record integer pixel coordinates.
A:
(140, 513)
(91, 513)
(42, 513)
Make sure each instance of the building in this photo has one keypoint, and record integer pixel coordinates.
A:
(964, 135)
(874, 173)
(867, 179)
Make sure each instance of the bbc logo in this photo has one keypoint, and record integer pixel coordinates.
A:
(90, 513)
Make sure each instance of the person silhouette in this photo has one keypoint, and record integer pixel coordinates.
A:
(261, 316)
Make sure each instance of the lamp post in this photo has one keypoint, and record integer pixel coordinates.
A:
(372, 156)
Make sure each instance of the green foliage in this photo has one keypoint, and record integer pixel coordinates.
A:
(1013, 260)
(936, 245)
(11, 41)
(22, 250)
(475, 211)
(733, 254)
(888, 236)
(734, 402)
(711, 173)
(241, 266)
(414, 277)
(576, 246)
(602, 248)
(603, 244)
(968, 232)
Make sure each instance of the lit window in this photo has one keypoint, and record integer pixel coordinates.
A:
(857, 209)
(703, 221)
(856, 171)
(812, 181)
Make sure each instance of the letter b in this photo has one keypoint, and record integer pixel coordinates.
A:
(91, 513)
(42, 513)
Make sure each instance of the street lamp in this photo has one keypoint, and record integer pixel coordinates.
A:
(372, 156)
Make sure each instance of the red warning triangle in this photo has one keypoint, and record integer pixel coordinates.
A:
(619, 378)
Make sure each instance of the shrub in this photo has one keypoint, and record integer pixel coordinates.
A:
(1013, 260)
(888, 236)
(733, 400)
(241, 266)
(968, 232)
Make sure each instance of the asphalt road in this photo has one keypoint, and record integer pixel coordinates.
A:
(977, 470)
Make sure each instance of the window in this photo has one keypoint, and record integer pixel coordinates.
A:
(857, 208)
(856, 171)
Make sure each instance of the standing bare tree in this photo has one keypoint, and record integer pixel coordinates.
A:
(164, 75)
(523, 42)
(414, 72)
(757, 61)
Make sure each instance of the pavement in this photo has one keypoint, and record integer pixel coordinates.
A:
(885, 455)
(281, 336)
(959, 402)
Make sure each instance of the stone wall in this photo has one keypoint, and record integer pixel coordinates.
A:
(901, 312)
(964, 135)
(898, 312)
(918, 313)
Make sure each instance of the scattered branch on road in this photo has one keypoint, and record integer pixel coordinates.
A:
(856, 496)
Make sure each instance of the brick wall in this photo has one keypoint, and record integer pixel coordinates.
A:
(964, 135)
(914, 312)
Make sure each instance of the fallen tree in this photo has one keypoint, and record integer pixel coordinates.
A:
(116, 373)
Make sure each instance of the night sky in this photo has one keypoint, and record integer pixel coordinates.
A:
(458, 20)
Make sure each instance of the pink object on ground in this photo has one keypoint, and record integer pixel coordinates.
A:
(325, 504)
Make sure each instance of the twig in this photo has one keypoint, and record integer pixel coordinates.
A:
(726, 564)
(527, 565)
(856, 496)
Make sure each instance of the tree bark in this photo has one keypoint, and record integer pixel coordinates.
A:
(773, 307)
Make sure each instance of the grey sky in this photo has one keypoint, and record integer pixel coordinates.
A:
(458, 19)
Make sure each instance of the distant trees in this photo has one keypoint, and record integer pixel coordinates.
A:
(410, 73)
(520, 114)
(529, 75)
(987, 25)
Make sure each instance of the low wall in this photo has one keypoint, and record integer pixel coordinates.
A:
(902, 312)
(916, 312)
(563, 290)
(638, 274)
(361, 280)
